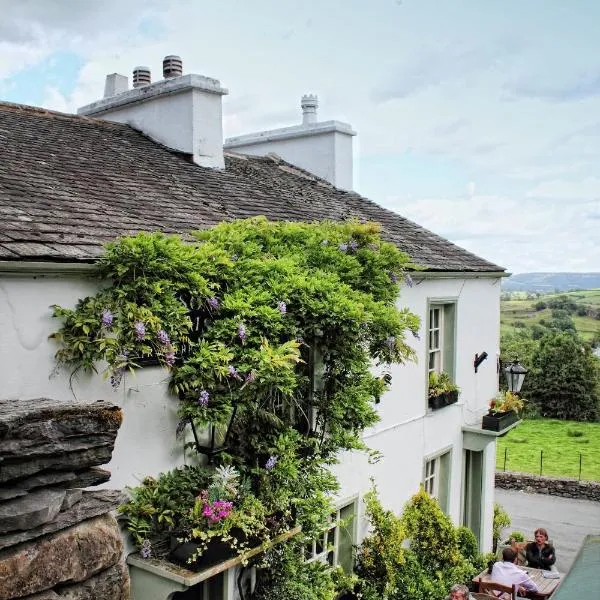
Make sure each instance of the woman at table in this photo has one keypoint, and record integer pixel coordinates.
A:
(540, 553)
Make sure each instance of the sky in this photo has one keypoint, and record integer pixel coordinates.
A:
(479, 120)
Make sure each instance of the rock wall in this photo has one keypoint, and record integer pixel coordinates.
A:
(535, 484)
(58, 541)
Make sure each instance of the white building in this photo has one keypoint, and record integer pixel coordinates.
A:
(151, 158)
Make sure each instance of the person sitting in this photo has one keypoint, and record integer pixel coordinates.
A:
(508, 573)
(459, 592)
(540, 554)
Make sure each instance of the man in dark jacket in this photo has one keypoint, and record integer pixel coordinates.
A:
(540, 554)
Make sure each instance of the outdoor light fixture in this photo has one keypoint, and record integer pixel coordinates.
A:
(479, 358)
(515, 374)
(217, 438)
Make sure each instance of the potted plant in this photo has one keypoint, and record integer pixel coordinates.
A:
(196, 517)
(442, 391)
(503, 411)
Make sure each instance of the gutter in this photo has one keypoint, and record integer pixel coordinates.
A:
(420, 275)
(14, 267)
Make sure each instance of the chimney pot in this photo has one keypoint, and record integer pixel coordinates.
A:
(141, 77)
(172, 66)
(309, 104)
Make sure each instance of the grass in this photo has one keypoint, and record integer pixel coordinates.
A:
(523, 311)
(562, 443)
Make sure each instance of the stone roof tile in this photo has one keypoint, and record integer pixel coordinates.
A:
(69, 184)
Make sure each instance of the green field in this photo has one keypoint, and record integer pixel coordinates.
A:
(562, 443)
(523, 311)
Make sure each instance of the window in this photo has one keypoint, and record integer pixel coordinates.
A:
(334, 546)
(441, 337)
(436, 478)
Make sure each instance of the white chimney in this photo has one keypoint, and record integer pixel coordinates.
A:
(323, 148)
(115, 84)
(182, 112)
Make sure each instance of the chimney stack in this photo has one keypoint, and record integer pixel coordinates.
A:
(115, 84)
(182, 112)
(309, 104)
(141, 77)
(172, 66)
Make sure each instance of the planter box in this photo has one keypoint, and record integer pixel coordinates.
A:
(442, 400)
(499, 421)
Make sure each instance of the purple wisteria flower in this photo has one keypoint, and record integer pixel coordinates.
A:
(408, 280)
(214, 303)
(140, 330)
(146, 549)
(353, 245)
(390, 342)
(107, 318)
(170, 358)
(242, 333)
(282, 306)
(343, 247)
(325, 243)
(233, 372)
(416, 334)
(250, 377)
(163, 337)
(393, 276)
(234, 257)
(271, 463)
(203, 398)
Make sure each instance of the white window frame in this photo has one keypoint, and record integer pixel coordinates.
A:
(432, 474)
(435, 350)
(325, 549)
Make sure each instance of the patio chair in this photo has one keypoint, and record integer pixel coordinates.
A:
(482, 597)
(498, 590)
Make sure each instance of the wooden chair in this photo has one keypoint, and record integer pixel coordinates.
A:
(482, 597)
(490, 588)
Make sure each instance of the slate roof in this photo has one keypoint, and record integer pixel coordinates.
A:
(68, 184)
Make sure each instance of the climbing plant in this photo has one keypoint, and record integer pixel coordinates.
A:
(281, 322)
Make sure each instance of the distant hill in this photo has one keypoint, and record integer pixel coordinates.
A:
(550, 282)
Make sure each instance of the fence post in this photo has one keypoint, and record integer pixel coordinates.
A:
(541, 461)
(505, 452)
(580, 466)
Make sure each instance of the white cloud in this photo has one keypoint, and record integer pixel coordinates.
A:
(583, 189)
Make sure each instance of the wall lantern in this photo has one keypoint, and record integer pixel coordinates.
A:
(515, 375)
(215, 439)
(479, 358)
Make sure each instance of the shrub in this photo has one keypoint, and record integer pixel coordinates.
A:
(575, 433)
(501, 520)
(467, 543)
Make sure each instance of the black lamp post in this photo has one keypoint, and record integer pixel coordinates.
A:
(515, 375)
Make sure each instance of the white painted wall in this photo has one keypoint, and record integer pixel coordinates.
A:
(324, 149)
(146, 442)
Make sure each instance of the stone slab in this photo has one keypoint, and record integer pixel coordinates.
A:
(10, 493)
(92, 504)
(31, 510)
(70, 556)
(110, 584)
(71, 497)
(43, 426)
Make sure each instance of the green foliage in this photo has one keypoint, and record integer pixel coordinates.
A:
(380, 555)
(285, 574)
(439, 555)
(280, 322)
(515, 536)
(440, 383)
(500, 521)
(467, 543)
(564, 378)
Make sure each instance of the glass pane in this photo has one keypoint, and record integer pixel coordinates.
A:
(432, 361)
(346, 538)
(330, 537)
(330, 558)
(436, 317)
(319, 545)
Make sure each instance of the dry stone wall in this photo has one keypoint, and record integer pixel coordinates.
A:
(58, 541)
(554, 486)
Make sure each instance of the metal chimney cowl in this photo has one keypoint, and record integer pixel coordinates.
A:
(172, 66)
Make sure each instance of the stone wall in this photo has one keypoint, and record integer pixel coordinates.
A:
(58, 541)
(568, 488)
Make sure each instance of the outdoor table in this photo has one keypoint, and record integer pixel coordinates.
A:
(546, 587)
